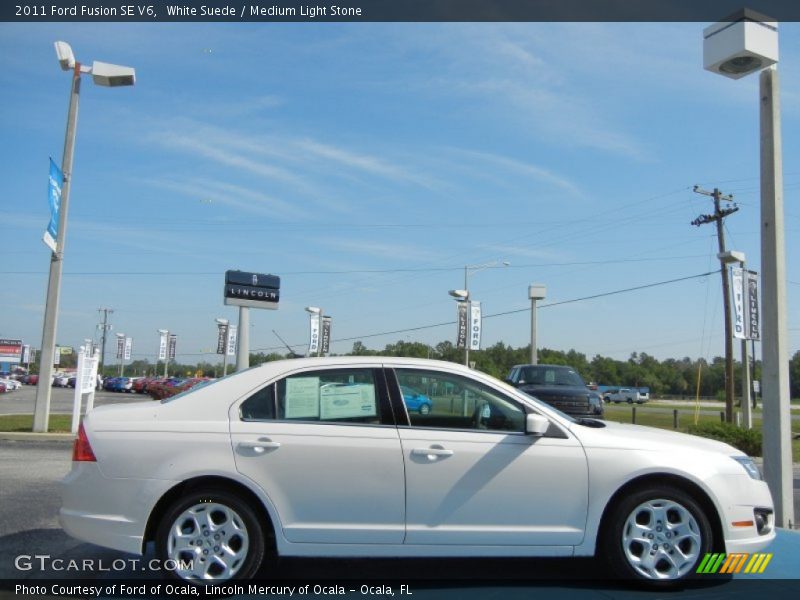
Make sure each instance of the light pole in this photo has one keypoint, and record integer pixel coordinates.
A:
(462, 298)
(536, 291)
(314, 345)
(102, 74)
(732, 257)
(463, 295)
(223, 324)
(745, 43)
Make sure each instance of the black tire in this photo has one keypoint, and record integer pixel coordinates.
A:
(683, 543)
(424, 409)
(232, 516)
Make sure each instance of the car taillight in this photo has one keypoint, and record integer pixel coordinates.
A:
(82, 449)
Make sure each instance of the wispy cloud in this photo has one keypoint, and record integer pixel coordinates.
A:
(380, 249)
(217, 192)
(524, 168)
(362, 162)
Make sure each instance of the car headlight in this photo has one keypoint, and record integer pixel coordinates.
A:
(749, 466)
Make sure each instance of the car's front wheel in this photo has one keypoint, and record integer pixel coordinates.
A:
(210, 535)
(424, 409)
(658, 534)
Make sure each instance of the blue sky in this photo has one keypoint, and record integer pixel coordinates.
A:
(367, 164)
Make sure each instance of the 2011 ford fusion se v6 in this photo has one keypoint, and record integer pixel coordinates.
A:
(322, 457)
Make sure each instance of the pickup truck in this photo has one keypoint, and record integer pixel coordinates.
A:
(628, 395)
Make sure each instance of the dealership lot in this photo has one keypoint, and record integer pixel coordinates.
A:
(22, 401)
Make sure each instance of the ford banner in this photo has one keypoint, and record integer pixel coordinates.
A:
(54, 197)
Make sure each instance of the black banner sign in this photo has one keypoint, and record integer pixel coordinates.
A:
(463, 324)
(326, 335)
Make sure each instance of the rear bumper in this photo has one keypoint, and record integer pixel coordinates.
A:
(106, 512)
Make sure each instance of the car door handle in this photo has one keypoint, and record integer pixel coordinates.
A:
(260, 446)
(432, 452)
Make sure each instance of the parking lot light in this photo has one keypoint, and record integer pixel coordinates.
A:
(106, 75)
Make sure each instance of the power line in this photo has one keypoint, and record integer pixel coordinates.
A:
(510, 312)
(364, 271)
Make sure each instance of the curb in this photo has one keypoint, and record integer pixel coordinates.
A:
(26, 436)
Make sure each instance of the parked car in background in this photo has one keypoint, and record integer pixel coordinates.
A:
(109, 383)
(596, 402)
(2, 388)
(322, 457)
(31, 379)
(629, 395)
(60, 380)
(11, 385)
(416, 401)
(558, 385)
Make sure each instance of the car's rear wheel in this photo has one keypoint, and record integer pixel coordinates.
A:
(657, 534)
(424, 409)
(210, 535)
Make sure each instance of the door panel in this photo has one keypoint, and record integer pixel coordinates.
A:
(330, 483)
(474, 477)
(490, 488)
(323, 446)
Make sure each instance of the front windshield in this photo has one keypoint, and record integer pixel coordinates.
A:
(549, 375)
(546, 406)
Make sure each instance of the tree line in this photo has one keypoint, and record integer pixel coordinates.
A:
(671, 377)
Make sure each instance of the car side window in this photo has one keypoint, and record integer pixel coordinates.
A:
(446, 401)
(259, 406)
(333, 395)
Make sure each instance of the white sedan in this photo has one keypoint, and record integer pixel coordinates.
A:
(12, 385)
(320, 457)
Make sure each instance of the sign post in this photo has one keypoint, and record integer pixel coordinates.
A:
(249, 290)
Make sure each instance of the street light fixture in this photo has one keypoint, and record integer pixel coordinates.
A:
(744, 43)
(223, 323)
(463, 295)
(106, 75)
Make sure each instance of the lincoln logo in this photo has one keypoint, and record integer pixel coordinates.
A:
(255, 279)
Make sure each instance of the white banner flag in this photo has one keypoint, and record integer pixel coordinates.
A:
(313, 342)
(231, 347)
(475, 326)
(737, 291)
(128, 347)
(162, 347)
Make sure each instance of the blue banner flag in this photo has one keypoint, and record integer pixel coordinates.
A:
(54, 198)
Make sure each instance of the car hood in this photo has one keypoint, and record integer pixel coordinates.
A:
(637, 437)
(554, 391)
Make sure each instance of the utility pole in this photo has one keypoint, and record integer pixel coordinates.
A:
(106, 328)
(718, 217)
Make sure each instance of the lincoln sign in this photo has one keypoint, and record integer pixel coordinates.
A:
(254, 290)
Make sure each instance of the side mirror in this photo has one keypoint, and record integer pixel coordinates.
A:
(536, 424)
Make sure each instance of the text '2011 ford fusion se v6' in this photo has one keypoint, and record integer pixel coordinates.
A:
(324, 457)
